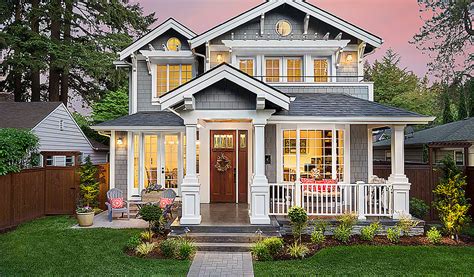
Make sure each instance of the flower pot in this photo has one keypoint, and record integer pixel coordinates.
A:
(85, 219)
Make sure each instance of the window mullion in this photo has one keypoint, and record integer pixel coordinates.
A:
(167, 77)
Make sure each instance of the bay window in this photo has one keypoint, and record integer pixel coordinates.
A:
(316, 154)
(170, 76)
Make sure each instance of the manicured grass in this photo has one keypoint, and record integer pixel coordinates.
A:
(377, 260)
(48, 246)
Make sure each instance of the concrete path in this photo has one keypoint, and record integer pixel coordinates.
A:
(221, 264)
(102, 221)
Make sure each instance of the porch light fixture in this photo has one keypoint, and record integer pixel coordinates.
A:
(349, 58)
(220, 59)
(119, 141)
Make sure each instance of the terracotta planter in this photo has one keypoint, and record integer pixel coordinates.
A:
(85, 219)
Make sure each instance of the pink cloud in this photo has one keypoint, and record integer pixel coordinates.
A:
(395, 21)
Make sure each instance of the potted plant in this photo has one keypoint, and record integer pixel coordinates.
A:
(85, 216)
(89, 192)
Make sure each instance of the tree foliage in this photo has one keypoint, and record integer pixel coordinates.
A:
(18, 150)
(447, 35)
(89, 184)
(112, 106)
(72, 42)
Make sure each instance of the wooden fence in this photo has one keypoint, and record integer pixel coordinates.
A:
(424, 179)
(33, 193)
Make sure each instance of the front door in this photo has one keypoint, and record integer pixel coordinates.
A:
(223, 166)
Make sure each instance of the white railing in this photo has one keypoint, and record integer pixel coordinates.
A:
(332, 199)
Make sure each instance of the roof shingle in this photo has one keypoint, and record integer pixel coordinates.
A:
(24, 115)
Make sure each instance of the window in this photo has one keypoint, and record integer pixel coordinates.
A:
(320, 155)
(173, 44)
(293, 69)
(272, 70)
(69, 160)
(283, 28)
(171, 76)
(246, 65)
(456, 154)
(136, 155)
(321, 70)
(60, 160)
(223, 141)
(151, 160)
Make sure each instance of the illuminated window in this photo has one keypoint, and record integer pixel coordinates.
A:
(136, 155)
(246, 65)
(293, 69)
(243, 141)
(283, 28)
(320, 70)
(171, 76)
(151, 160)
(289, 155)
(223, 141)
(171, 161)
(272, 70)
(173, 44)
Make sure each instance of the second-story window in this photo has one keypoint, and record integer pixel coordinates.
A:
(272, 69)
(170, 76)
(321, 70)
(247, 66)
(293, 69)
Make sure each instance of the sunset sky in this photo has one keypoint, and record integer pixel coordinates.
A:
(396, 21)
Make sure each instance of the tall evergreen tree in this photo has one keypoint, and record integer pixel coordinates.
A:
(447, 113)
(462, 109)
(470, 92)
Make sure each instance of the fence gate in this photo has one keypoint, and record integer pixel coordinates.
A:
(61, 190)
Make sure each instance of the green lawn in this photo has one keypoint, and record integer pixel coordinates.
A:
(48, 246)
(377, 260)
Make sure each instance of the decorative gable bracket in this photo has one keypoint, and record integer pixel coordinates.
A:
(189, 102)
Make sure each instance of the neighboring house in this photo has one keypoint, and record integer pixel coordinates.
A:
(455, 139)
(252, 107)
(61, 141)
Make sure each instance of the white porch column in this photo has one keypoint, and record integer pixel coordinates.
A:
(191, 211)
(259, 189)
(398, 179)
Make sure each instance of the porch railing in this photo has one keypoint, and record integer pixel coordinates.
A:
(332, 199)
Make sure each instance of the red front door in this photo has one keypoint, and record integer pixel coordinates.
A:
(223, 167)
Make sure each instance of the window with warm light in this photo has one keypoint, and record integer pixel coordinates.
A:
(272, 69)
(283, 28)
(247, 66)
(293, 69)
(321, 70)
(171, 76)
(173, 44)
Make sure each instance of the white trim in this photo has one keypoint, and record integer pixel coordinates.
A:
(224, 71)
(168, 54)
(287, 45)
(112, 160)
(130, 159)
(134, 85)
(370, 153)
(138, 128)
(300, 5)
(154, 76)
(159, 30)
(351, 120)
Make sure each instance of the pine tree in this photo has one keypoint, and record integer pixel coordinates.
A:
(447, 113)
(462, 110)
(89, 185)
(470, 92)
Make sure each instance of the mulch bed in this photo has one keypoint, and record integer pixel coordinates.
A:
(378, 241)
(155, 254)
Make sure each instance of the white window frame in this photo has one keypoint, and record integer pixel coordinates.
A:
(298, 128)
(284, 68)
(154, 74)
(328, 62)
(248, 58)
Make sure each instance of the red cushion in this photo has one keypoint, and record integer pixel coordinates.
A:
(116, 203)
(314, 188)
(165, 202)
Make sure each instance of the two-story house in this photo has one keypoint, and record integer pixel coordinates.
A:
(267, 109)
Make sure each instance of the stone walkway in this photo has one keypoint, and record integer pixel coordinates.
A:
(222, 264)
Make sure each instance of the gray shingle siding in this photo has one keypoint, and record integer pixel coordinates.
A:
(225, 95)
(121, 163)
(347, 70)
(144, 88)
(270, 149)
(359, 153)
(361, 92)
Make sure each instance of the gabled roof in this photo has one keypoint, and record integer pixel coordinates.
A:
(25, 115)
(171, 23)
(227, 72)
(142, 120)
(303, 6)
(334, 106)
(462, 130)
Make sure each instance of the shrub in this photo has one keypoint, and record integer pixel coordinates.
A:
(406, 223)
(299, 220)
(348, 220)
(343, 233)
(145, 248)
(133, 242)
(298, 251)
(89, 184)
(368, 232)
(418, 208)
(18, 150)
(274, 245)
(169, 248)
(317, 236)
(321, 225)
(393, 234)
(434, 236)
(185, 249)
(147, 235)
(450, 200)
(151, 214)
(261, 252)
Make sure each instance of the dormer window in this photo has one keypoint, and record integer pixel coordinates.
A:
(283, 28)
(173, 44)
(170, 76)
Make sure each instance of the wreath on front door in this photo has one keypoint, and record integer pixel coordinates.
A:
(222, 163)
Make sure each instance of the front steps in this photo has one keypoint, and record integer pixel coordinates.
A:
(231, 238)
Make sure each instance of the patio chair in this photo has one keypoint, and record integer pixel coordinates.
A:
(116, 193)
(168, 194)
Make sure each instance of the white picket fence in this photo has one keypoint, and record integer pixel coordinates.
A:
(332, 199)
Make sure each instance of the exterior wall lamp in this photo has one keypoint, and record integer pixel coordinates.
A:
(119, 141)
(220, 59)
(349, 58)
